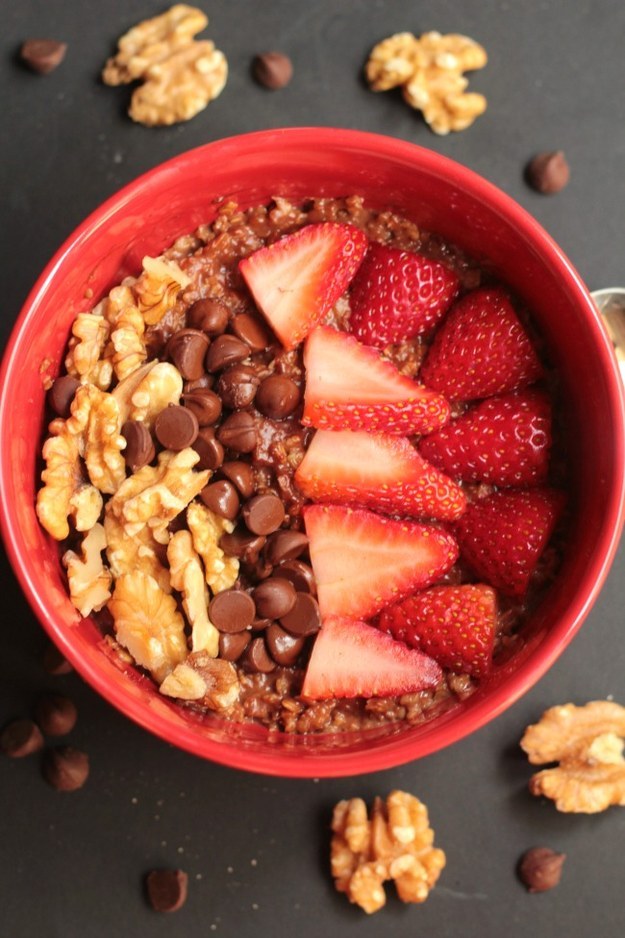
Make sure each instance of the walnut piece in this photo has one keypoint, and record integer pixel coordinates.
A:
(206, 528)
(187, 576)
(89, 580)
(162, 385)
(587, 742)
(397, 844)
(90, 333)
(129, 351)
(429, 69)
(96, 423)
(141, 552)
(158, 287)
(201, 677)
(65, 491)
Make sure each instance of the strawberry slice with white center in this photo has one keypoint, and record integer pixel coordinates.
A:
(362, 561)
(297, 280)
(349, 386)
(353, 659)
(504, 440)
(503, 536)
(481, 349)
(397, 295)
(379, 471)
(453, 624)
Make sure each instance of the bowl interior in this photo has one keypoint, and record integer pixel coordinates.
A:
(440, 196)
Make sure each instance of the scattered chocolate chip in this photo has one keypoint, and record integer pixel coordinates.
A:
(237, 386)
(257, 657)
(20, 738)
(232, 610)
(272, 70)
(264, 514)
(232, 645)
(285, 545)
(56, 714)
(283, 647)
(209, 449)
(205, 404)
(61, 395)
(54, 662)
(540, 869)
(274, 598)
(548, 172)
(251, 330)
(210, 316)
(66, 768)
(240, 474)
(238, 432)
(187, 349)
(176, 427)
(167, 889)
(243, 545)
(139, 445)
(43, 55)
(277, 397)
(221, 497)
(304, 618)
(299, 574)
(225, 350)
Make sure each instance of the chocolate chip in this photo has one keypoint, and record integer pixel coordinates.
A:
(251, 330)
(61, 395)
(299, 574)
(225, 350)
(237, 386)
(43, 55)
(209, 449)
(187, 349)
(54, 662)
(176, 427)
(221, 497)
(20, 738)
(240, 474)
(56, 715)
(548, 172)
(167, 889)
(285, 545)
(283, 647)
(205, 404)
(206, 381)
(155, 342)
(257, 657)
(540, 869)
(238, 432)
(259, 625)
(304, 618)
(277, 397)
(66, 768)
(210, 316)
(272, 70)
(243, 545)
(232, 645)
(274, 598)
(139, 445)
(264, 513)
(232, 610)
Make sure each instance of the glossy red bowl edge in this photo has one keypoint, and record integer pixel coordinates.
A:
(144, 217)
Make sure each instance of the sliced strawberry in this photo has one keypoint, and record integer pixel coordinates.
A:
(298, 279)
(504, 440)
(455, 625)
(350, 387)
(375, 470)
(481, 349)
(503, 535)
(353, 659)
(397, 295)
(362, 561)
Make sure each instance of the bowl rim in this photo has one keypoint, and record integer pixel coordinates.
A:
(397, 750)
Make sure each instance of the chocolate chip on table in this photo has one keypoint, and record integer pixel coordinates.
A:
(304, 618)
(283, 647)
(277, 397)
(61, 395)
(176, 427)
(272, 70)
(139, 445)
(237, 386)
(232, 610)
(205, 404)
(209, 449)
(540, 869)
(56, 714)
(251, 330)
(225, 350)
(54, 662)
(299, 574)
(222, 498)
(187, 349)
(285, 545)
(548, 173)
(274, 598)
(167, 889)
(66, 768)
(43, 55)
(233, 644)
(264, 514)
(238, 432)
(257, 658)
(21, 738)
(243, 545)
(240, 474)
(210, 316)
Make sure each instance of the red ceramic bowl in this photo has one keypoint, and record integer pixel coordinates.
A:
(440, 195)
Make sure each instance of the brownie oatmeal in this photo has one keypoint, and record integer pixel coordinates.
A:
(198, 474)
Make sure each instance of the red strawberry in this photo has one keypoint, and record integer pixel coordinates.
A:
(504, 440)
(481, 349)
(362, 561)
(503, 535)
(353, 659)
(397, 295)
(298, 279)
(373, 470)
(453, 624)
(350, 387)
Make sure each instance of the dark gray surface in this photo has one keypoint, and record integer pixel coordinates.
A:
(256, 848)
